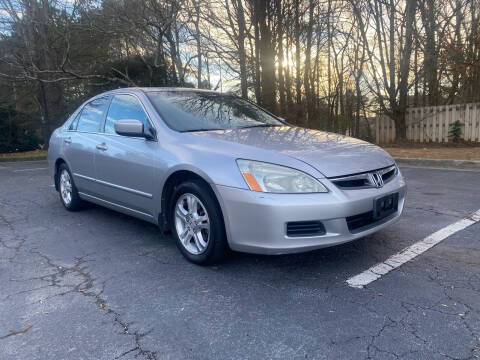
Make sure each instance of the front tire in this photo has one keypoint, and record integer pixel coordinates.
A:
(197, 223)
(67, 189)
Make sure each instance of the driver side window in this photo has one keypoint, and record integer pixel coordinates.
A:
(124, 107)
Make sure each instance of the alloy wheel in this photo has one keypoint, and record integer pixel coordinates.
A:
(192, 223)
(66, 187)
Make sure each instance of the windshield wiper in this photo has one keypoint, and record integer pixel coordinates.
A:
(258, 125)
(195, 130)
(240, 127)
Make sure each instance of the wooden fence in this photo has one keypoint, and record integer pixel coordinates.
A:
(432, 123)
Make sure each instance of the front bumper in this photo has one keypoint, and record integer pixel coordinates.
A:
(256, 222)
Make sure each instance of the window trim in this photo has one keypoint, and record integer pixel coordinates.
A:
(77, 116)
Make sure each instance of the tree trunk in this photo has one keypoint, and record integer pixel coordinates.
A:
(242, 57)
(400, 112)
(267, 58)
(307, 71)
(199, 43)
(173, 54)
(358, 91)
(458, 54)
(400, 126)
(288, 76)
(427, 11)
(177, 66)
(416, 71)
(207, 64)
(258, 91)
(45, 115)
(281, 78)
(298, 76)
(329, 71)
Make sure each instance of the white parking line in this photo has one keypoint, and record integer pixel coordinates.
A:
(33, 169)
(376, 272)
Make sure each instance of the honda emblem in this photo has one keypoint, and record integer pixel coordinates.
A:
(376, 179)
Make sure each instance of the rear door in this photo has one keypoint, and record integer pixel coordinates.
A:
(125, 165)
(80, 142)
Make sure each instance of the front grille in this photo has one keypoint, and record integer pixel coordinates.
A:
(305, 228)
(364, 180)
(389, 174)
(352, 183)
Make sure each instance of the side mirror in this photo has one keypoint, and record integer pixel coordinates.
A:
(129, 127)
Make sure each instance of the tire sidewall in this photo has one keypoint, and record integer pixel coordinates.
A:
(217, 239)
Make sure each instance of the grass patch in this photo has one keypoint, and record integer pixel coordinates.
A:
(28, 155)
(432, 152)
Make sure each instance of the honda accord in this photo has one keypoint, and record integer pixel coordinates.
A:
(222, 173)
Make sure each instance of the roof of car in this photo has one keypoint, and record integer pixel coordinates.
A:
(150, 89)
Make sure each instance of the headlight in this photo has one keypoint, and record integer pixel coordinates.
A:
(272, 178)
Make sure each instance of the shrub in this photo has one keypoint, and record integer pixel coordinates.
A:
(455, 132)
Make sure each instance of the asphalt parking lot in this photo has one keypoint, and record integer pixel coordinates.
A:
(100, 285)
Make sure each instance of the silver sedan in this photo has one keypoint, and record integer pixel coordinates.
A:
(222, 173)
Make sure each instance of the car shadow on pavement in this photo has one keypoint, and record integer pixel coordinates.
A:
(332, 263)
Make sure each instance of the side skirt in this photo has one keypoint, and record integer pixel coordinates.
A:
(119, 208)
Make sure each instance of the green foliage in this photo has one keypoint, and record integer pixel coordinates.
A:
(15, 138)
(455, 131)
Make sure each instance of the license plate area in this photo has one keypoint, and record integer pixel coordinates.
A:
(385, 206)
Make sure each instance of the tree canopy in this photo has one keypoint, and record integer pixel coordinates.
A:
(318, 63)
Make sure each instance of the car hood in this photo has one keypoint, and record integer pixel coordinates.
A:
(331, 154)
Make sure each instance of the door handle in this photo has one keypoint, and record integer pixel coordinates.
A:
(67, 140)
(102, 147)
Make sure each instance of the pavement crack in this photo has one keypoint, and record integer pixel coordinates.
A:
(17, 332)
(126, 353)
(86, 287)
(17, 238)
(438, 212)
(386, 324)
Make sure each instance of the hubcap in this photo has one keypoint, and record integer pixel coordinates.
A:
(192, 223)
(66, 187)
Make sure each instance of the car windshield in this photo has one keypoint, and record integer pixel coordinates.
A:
(202, 111)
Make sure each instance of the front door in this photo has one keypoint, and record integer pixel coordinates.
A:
(125, 165)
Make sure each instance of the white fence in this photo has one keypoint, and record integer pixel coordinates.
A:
(432, 123)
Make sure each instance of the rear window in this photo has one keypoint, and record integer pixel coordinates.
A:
(91, 116)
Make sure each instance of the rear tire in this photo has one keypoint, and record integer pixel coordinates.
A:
(67, 189)
(197, 223)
